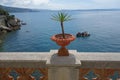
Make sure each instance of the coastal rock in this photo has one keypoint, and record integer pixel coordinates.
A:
(0, 41)
(16, 28)
(4, 31)
(12, 23)
(9, 25)
(83, 34)
(4, 27)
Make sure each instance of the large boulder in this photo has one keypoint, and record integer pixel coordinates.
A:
(12, 22)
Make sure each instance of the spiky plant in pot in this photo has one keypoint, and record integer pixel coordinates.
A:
(62, 39)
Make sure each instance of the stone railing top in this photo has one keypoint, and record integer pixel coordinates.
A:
(23, 59)
(99, 56)
(43, 56)
(24, 56)
(36, 59)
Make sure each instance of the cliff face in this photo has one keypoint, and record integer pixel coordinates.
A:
(2, 19)
(7, 25)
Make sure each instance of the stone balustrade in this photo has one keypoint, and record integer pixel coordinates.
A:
(49, 66)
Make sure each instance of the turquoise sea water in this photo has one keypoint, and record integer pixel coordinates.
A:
(104, 27)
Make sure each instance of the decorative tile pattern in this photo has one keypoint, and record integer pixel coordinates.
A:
(99, 74)
(23, 74)
(90, 75)
(14, 74)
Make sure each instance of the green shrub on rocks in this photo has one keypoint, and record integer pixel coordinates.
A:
(3, 12)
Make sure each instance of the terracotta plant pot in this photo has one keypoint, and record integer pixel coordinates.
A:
(58, 38)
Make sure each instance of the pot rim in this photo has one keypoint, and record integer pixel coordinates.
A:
(69, 38)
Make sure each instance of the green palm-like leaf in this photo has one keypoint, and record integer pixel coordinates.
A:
(61, 17)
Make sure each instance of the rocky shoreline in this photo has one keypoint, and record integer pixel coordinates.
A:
(8, 23)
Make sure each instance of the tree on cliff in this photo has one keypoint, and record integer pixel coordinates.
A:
(3, 12)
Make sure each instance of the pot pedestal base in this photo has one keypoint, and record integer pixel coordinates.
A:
(63, 51)
(63, 67)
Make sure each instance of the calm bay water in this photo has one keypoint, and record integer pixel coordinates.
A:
(104, 27)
